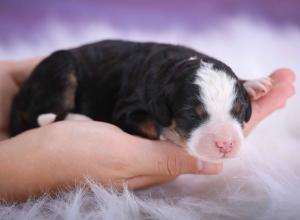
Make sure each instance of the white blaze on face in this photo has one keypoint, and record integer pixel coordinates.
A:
(221, 135)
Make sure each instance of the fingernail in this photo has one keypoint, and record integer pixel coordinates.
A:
(200, 165)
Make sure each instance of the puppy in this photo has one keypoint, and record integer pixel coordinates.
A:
(157, 91)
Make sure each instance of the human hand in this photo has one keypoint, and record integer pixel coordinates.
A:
(282, 89)
(64, 153)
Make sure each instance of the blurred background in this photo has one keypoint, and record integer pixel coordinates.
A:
(35, 20)
(25, 19)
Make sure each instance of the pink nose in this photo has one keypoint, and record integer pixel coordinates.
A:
(224, 146)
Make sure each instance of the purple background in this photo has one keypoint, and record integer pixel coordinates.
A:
(21, 19)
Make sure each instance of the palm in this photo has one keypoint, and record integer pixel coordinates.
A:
(8, 88)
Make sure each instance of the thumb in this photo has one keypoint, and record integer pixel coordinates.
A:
(166, 159)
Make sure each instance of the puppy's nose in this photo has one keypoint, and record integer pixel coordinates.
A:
(224, 146)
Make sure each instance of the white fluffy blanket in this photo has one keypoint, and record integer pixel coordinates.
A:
(264, 183)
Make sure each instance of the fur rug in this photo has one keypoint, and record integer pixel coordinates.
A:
(263, 183)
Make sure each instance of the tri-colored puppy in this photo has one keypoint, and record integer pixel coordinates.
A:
(158, 91)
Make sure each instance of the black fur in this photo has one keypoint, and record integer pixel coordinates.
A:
(120, 82)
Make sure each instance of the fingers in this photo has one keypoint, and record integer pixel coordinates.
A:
(146, 181)
(166, 159)
(282, 89)
(258, 88)
(283, 75)
(139, 182)
(210, 168)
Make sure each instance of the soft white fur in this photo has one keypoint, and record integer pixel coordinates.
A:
(45, 119)
(263, 183)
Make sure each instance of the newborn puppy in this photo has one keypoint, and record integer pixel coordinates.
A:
(157, 91)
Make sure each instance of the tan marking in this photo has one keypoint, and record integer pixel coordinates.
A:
(24, 116)
(71, 91)
(200, 110)
(173, 124)
(149, 129)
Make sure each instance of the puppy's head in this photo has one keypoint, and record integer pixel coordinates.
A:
(204, 110)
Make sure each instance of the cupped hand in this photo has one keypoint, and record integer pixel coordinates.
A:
(107, 154)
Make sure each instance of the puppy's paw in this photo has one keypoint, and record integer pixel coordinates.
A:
(48, 118)
(77, 117)
(258, 88)
(162, 137)
(45, 119)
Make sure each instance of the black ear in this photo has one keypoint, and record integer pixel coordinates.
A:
(161, 112)
(248, 112)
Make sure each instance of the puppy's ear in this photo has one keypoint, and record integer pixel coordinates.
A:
(248, 112)
(161, 112)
